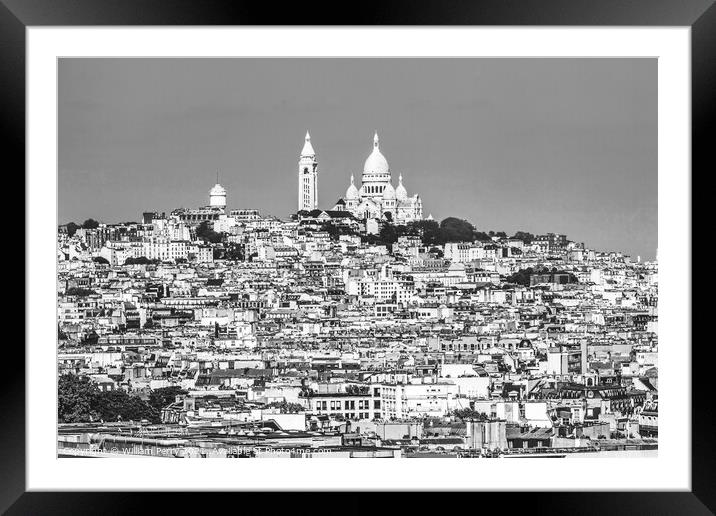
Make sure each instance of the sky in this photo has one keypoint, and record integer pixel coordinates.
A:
(540, 145)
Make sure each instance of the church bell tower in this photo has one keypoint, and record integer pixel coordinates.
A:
(307, 177)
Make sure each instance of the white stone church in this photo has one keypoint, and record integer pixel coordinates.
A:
(376, 198)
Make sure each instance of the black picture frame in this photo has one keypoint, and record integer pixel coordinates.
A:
(700, 15)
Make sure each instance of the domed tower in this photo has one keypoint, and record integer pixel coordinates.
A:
(388, 202)
(307, 177)
(352, 196)
(401, 193)
(376, 173)
(217, 195)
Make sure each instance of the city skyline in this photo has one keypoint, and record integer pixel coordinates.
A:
(576, 155)
(287, 291)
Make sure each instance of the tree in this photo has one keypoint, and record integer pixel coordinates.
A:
(79, 292)
(160, 398)
(100, 260)
(79, 400)
(388, 234)
(234, 252)
(527, 238)
(90, 224)
(286, 407)
(429, 230)
(112, 405)
(140, 260)
(521, 277)
(204, 232)
(468, 413)
(453, 229)
(72, 228)
(90, 339)
(75, 399)
(336, 230)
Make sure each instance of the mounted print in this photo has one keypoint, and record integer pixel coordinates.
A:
(357, 257)
(417, 258)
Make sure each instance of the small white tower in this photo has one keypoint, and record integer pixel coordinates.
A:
(400, 192)
(352, 196)
(217, 195)
(307, 177)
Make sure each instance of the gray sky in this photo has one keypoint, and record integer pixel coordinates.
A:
(540, 145)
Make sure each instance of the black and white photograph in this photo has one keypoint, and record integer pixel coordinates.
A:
(399, 258)
(286, 248)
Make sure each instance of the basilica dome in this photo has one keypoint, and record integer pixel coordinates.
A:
(376, 164)
(352, 192)
(388, 192)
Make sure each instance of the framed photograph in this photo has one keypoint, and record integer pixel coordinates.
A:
(284, 245)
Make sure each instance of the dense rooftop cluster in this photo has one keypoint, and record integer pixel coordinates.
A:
(244, 335)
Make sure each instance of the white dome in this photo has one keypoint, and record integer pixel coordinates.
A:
(217, 196)
(217, 190)
(389, 192)
(400, 192)
(352, 192)
(376, 162)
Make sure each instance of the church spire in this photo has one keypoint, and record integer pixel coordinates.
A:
(307, 177)
(351, 179)
(376, 140)
(307, 147)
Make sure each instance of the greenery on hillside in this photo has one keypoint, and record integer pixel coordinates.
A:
(80, 400)
(522, 277)
(205, 233)
(79, 292)
(432, 233)
(140, 260)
